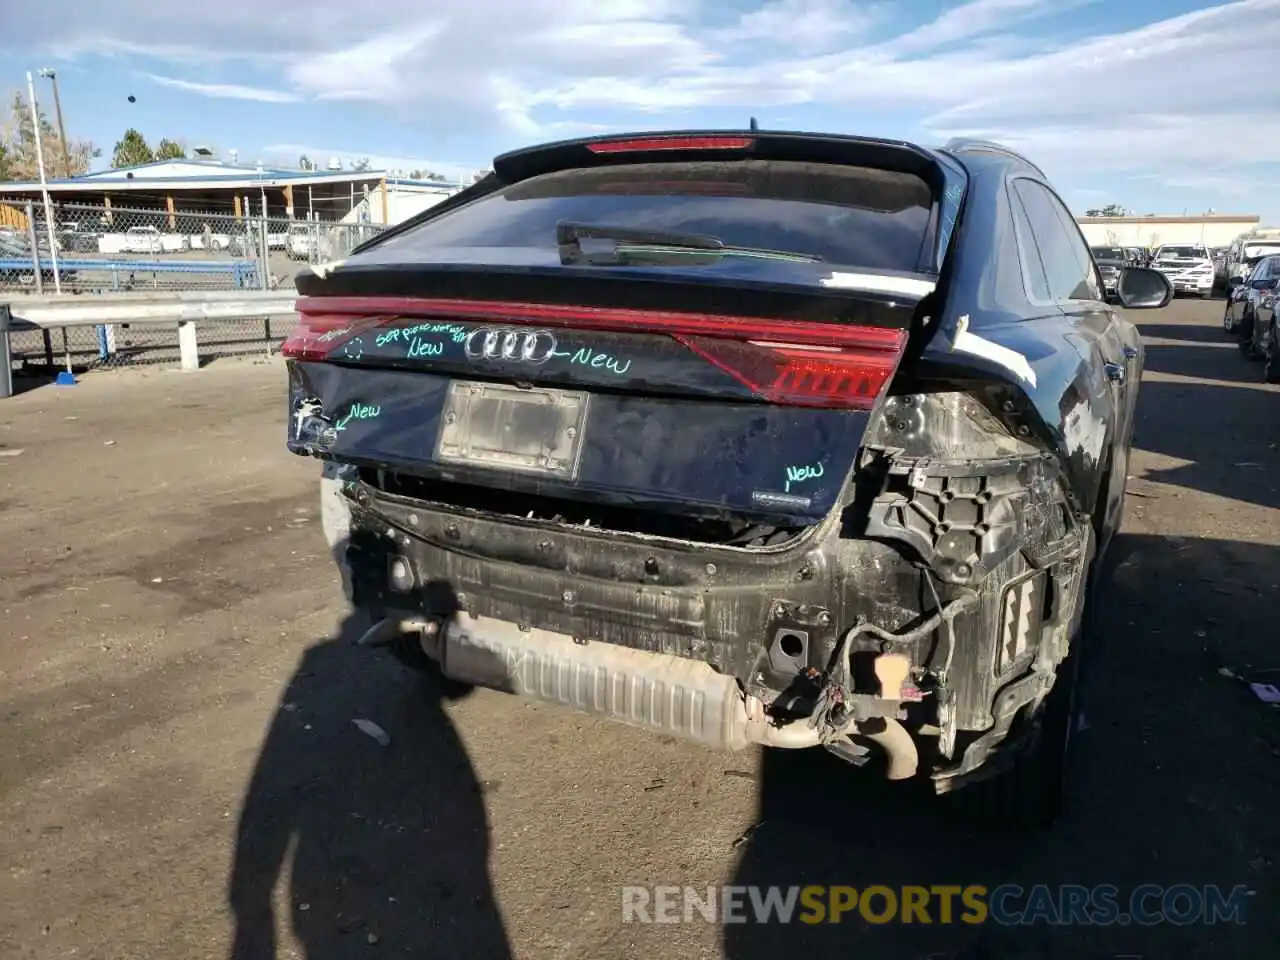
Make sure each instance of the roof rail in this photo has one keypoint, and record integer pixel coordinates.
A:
(972, 145)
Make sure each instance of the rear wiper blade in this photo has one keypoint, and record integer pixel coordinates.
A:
(629, 245)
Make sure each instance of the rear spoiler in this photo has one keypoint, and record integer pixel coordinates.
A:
(943, 175)
(898, 156)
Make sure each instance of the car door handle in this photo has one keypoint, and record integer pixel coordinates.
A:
(1115, 371)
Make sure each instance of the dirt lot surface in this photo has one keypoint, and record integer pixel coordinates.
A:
(180, 775)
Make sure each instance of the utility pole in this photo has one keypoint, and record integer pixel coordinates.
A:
(44, 188)
(57, 110)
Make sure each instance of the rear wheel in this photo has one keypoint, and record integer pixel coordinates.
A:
(1246, 342)
(1031, 794)
(1228, 323)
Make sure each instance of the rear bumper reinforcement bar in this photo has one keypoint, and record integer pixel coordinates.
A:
(659, 692)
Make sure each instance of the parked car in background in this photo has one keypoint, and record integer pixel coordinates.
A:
(142, 240)
(76, 238)
(1111, 263)
(146, 240)
(1247, 248)
(1251, 315)
(301, 243)
(18, 266)
(730, 436)
(1238, 306)
(1219, 255)
(236, 243)
(1188, 267)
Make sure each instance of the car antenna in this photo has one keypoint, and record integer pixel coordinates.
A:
(754, 125)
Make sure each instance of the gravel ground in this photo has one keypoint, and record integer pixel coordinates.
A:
(180, 775)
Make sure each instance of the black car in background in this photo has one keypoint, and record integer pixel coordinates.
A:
(794, 439)
(1251, 315)
(1242, 295)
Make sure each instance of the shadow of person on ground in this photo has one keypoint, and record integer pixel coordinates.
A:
(1173, 772)
(382, 845)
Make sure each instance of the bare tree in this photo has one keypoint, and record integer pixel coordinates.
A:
(18, 144)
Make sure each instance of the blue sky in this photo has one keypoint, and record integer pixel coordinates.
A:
(1158, 105)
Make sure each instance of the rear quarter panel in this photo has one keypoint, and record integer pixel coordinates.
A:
(1053, 355)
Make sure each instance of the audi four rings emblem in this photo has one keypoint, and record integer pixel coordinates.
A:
(509, 343)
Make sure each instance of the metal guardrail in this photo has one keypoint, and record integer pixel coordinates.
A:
(181, 308)
(178, 306)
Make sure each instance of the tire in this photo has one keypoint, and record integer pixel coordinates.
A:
(1228, 324)
(1031, 795)
(1246, 344)
(1271, 357)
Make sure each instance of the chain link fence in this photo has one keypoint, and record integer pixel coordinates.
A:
(100, 249)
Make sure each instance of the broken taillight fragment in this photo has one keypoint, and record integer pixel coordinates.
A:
(316, 334)
(808, 374)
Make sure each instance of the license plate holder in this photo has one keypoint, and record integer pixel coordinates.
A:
(535, 430)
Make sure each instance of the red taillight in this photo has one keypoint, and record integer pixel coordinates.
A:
(649, 144)
(796, 362)
(809, 375)
(315, 334)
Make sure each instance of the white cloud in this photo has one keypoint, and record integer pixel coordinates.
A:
(230, 91)
(803, 26)
(1184, 98)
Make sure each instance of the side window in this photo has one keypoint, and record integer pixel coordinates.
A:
(1066, 258)
(1028, 254)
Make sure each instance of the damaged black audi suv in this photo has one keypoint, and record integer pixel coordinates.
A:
(754, 437)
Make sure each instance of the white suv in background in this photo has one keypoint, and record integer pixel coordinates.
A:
(1247, 248)
(300, 244)
(1188, 266)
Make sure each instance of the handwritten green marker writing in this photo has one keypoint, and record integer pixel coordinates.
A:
(801, 474)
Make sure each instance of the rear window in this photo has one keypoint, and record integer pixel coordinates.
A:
(848, 216)
(1108, 253)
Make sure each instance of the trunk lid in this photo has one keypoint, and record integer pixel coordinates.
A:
(499, 377)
